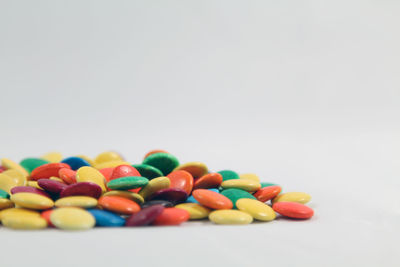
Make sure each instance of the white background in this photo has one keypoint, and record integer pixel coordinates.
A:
(304, 93)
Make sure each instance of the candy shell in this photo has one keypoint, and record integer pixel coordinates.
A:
(88, 159)
(293, 210)
(129, 182)
(235, 194)
(21, 222)
(9, 164)
(230, 217)
(172, 216)
(75, 162)
(51, 186)
(107, 173)
(228, 175)
(210, 180)
(46, 215)
(265, 184)
(18, 211)
(29, 189)
(4, 194)
(32, 163)
(195, 210)
(19, 178)
(33, 184)
(164, 203)
(119, 205)
(212, 199)
(82, 189)
(154, 185)
(124, 171)
(266, 193)
(181, 180)
(32, 201)
(90, 174)
(7, 183)
(5, 203)
(173, 195)
(195, 168)
(126, 194)
(53, 157)
(145, 217)
(257, 209)
(71, 218)
(244, 184)
(110, 164)
(298, 197)
(154, 152)
(107, 157)
(76, 201)
(165, 162)
(106, 218)
(67, 175)
(249, 176)
(148, 171)
(47, 170)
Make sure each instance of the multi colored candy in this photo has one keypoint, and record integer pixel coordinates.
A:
(79, 193)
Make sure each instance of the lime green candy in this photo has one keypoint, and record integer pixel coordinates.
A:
(165, 162)
(235, 194)
(148, 171)
(4, 194)
(228, 175)
(128, 182)
(30, 164)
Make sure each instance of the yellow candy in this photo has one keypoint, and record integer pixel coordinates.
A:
(57, 179)
(154, 185)
(110, 164)
(257, 209)
(19, 178)
(91, 162)
(21, 222)
(32, 201)
(33, 184)
(9, 164)
(244, 184)
(76, 201)
(7, 182)
(298, 197)
(90, 174)
(230, 217)
(72, 219)
(126, 194)
(250, 176)
(195, 210)
(23, 212)
(6, 203)
(107, 157)
(53, 157)
(196, 168)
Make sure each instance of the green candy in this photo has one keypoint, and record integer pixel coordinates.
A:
(235, 194)
(266, 184)
(147, 171)
(165, 162)
(30, 164)
(4, 194)
(228, 175)
(128, 182)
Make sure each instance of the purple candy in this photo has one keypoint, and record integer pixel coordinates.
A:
(82, 189)
(28, 189)
(145, 216)
(51, 186)
(173, 195)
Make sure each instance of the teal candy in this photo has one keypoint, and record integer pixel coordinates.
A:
(235, 194)
(147, 171)
(30, 164)
(165, 162)
(128, 182)
(266, 184)
(4, 194)
(228, 175)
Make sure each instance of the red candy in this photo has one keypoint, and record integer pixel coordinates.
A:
(210, 180)
(67, 175)
(51, 186)
(181, 180)
(46, 215)
(293, 210)
(124, 171)
(107, 172)
(172, 216)
(48, 170)
(82, 189)
(267, 193)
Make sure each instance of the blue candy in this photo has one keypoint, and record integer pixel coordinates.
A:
(106, 218)
(75, 162)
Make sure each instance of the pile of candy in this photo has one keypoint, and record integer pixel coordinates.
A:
(78, 193)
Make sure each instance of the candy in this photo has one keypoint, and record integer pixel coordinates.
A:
(212, 199)
(181, 180)
(47, 170)
(267, 193)
(210, 180)
(4, 194)
(7, 182)
(9, 164)
(124, 171)
(107, 157)
(72, 219)
(6, 203)
(126, 194)
(298, 197)
(76, 201)
(230, 217)
(195, 168)
(173, 195)
(75, 162)
(29, 189)
(89, 174)
(32, 163)
(228, 175)
(18, 211)
(67, 175)
(155, 185)
(22, 222)
(129, 182)
(53, 157)
(154, 152)
(196, 211)
(146, 216)
(235, 194)
(164, 203)
(244, 184)
(32, 201)
(293, 210)
(249, 176)
(46, 215)
(165, 162)
(256, 209)
(148, 171)
(172, 216)
(106, 218)
(51, 186)
(119, 204)
(82, 189)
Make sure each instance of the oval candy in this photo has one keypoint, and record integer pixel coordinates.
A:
(230, 217)
(126, 194)
(212, 199)
(5, 203)
(124, 171)
(195, 168)
(29, 189)
(181, 180)
(148, 171)
(82, 189)
(196, 211)
(75, 162)
(210, 180)
(293, 210)
(172, 216)
(47, 170)
(235, 194)
(129, 182)
(249, 176)
(53, 157)
(108, 156)
(32, 201)
(9, 164)
(228, 175)
(154, 152)
(32, 163)
(244, 184)
(164, 203)
(298, 197)
(76, 201)
(165, 162)
(257, 209)
(154, 185)
(51, 186)
(266, 193)
(71, 218)
(90, 174)
(21, 222)
(107, 218)
(119, 205)
(67, 175)
(146, 216)
(173, 195)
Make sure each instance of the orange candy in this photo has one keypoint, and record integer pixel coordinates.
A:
(210, 180)
(172, 216)
(212, 199)
(293, 210)
(267, 193)
(124, 171)
(154, 152)
(119, 204)
(107, 173)
(67, 175)
(48, 170)
(181, 180)
(46, 215)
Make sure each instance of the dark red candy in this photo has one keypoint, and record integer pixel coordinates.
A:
(157, 202)
(51, 186)
(145, 216)
(124, 171)
(28, 189)
(82, 189)
(2, 169)
(173, 195)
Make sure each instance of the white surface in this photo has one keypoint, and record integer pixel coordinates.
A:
(304, 93)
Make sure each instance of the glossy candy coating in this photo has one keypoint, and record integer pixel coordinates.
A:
(107, 218)
(76, 201)
(4, 194)
(124, 171)
(7, 183)
(257, 209)
(46, 215)
(17, 176)
(249, 176)
(173, 195)
(244, 184)
(148, 171)
(47, 170)
(129, 182)
(235, 194)
(9, 164)
(32, 201)
(265, 184)
(110, 164)
(13, 211)
(154, 152)
(32, 163)
(230, 217)
(119, 205)
(210, 180)
(82, 189)
(172, 216)
(155, 185)
(75, 162)
(165, 162)
(107, 157)
(53, 157)
(298, 197)
(266, 193)
(195, 168)
(293, 210)
(29, 189)
(146, 216)
(126, 194)
(107, 173)
(181, 180)
(90, 174)
(72, 219)
(51, 186)
(212, 199)
(196, 211)
(228, 175)
(164, 203)
(22, 222)
(67, 175)
(5, 203)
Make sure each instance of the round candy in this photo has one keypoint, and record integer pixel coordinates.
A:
(244, 184)
(148, 171)
(172, 216)
(124, 171)
(32, 201)
(72, 219)
(212, 199)
(52, 157)
(90, 174)
(76, 201)
(265, 184)
(173, 195)
(110, 164)
(298, 197)
(75, 162)
(107, 173)
(230, 217)
(9, 164)
(13, 211)
(47, 170)
(51, 186)
(126, 194)
(145, 217)
(82, 189)
(107, 157)
(154, 185)
(196, 211)
(165, 162)
(210, 180)
(154, 152)
(267, 193)
(32, 163)
(7, 182)
(164, 203)
(5, 203)
(17, 176)
(249, 176)
(235, 194)
(181, 180)
(119, 204)
(257, 209)
(129, 182)
(228, 175)
(195, 168)
(22, 222)
(29, 189)
(106, 218)
(293, 210)
(67, 175)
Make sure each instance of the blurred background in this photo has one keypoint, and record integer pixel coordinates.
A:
(304, 93)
